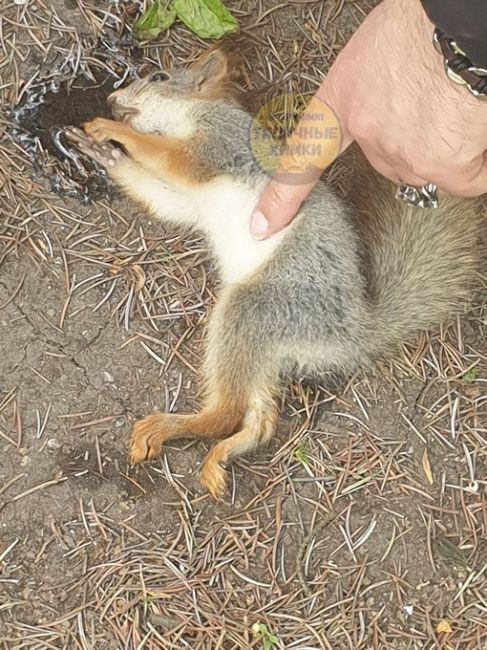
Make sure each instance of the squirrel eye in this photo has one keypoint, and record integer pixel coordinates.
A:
(159, 76)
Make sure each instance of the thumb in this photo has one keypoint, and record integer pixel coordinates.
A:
(314, 144)
(278, 205)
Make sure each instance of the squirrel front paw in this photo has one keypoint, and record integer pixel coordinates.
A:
(102, 129)
(104, 153)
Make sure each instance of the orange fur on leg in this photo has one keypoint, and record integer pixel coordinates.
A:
(258, 427)
(168, 158)
(151, 432)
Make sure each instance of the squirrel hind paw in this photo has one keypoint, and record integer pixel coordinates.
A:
(148, 436)
(213, 478)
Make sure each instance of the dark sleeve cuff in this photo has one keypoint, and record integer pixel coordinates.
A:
(465, 21)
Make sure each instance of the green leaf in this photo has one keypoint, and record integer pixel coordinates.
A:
(156, 19)
(268, 640)
(451, 553)
(301, 455)
(471, 375)
(206, 18)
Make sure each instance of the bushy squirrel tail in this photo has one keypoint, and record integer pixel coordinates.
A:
(421, 263)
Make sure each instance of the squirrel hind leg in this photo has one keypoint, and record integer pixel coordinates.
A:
(258, 427)
(221, 418)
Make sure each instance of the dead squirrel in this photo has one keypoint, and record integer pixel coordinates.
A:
(340, 286)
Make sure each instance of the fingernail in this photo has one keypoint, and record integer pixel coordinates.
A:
(259, 225)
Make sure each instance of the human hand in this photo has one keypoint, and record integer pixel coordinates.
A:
(390, 93)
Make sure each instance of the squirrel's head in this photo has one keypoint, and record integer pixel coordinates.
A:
(161, 101)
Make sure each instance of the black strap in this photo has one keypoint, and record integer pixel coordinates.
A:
(458, 63)
(465, 21)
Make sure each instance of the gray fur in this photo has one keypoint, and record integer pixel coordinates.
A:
(349, 281)
(226, 149)
(352, 279)
(365, 273)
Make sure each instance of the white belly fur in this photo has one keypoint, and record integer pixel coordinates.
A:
(224, 208)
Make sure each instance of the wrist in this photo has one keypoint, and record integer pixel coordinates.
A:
(456, 62)
(442, 55)
(464, 22)
(459, 68)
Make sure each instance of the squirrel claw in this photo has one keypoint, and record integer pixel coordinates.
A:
(104, 153)
(213, 478)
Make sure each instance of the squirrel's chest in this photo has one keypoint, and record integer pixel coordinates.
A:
(225, 217)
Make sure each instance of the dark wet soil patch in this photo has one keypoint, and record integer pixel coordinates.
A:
(55, 101)
(70, 106)
(40, 120)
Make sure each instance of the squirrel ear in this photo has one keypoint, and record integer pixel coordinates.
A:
(211, 69)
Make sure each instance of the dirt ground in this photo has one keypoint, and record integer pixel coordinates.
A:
(363, 525)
